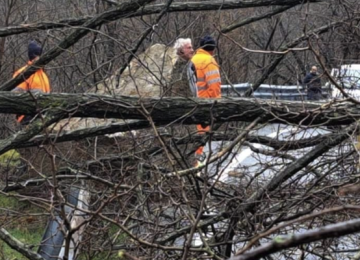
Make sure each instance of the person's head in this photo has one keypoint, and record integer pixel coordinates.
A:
(184, 48)
(313, 70)
(34, 50)
(208, 43)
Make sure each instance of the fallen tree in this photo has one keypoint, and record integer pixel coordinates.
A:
(165, 111)
(147, 198)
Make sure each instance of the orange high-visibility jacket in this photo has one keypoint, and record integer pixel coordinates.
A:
(37, 82)
(208, 75)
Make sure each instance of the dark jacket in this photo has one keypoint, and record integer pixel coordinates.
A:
(312, 82)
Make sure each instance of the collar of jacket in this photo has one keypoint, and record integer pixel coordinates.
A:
(202, 51)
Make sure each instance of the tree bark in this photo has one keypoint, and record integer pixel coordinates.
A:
(179, 110)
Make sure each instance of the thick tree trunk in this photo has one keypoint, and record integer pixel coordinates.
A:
(181, 110)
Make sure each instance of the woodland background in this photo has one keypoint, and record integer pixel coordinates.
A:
(145, 198)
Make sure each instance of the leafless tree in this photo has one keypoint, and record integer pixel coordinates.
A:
(281, 177)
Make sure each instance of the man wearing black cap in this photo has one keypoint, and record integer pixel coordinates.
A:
(37, 82)
(208, 79)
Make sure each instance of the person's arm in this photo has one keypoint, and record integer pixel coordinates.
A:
(213, 80)
(45, 83)
(307, 79)
(191, 74)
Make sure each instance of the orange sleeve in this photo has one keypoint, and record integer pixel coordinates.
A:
(213, 79)
(46, 83)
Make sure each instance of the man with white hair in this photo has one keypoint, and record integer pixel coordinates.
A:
(184, 49)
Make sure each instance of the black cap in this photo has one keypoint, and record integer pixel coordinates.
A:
(34, 50)
(208, 43)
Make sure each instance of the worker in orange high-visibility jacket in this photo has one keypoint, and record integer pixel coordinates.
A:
(208, 80)
(37, 82)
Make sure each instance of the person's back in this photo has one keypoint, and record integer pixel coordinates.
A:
(207, 70)
(208, 81)
(37, 82)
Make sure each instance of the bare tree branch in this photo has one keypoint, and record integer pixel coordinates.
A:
(141, 124)
(22, 248)
(73, 38)
(153, 9)
(292, 44)
(255, 18)
(283, 242)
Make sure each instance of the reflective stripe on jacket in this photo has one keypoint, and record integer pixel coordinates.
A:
(208, 75)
